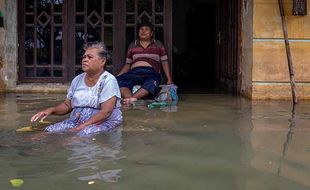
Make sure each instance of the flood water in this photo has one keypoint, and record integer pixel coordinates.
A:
(205, 142)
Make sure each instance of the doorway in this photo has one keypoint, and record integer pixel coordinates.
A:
(205, 45)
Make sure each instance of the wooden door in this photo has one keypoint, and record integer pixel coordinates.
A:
(228, 43)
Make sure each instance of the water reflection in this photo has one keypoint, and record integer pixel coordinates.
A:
(289, 137)
(279, 139)
(62, 155)
(91, 155)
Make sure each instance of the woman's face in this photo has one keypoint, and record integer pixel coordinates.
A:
(92, 62)
(145, 33)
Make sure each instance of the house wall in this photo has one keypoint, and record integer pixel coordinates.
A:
(8, 45)
(2, 37)
(270, 75)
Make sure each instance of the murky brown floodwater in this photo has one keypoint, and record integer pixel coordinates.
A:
(206, 142)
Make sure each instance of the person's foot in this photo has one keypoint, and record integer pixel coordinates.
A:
(128, 101)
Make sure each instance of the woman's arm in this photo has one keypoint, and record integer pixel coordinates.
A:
(61, 109)
(106, 110)
(167, 73)
(125, 69)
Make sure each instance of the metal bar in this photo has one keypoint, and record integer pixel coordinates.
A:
(52, 52)
(35, 19)
(288, 52)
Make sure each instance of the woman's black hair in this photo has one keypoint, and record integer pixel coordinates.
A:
(145, 23)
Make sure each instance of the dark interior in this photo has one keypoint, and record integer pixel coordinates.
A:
(206, 45)
(194, 45)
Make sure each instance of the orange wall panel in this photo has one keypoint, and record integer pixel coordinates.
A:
(270, 62)
(267, 20)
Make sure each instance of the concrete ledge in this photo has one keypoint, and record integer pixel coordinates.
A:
(279, 91)
(44, 88)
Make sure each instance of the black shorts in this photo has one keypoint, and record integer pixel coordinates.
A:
(146, 77)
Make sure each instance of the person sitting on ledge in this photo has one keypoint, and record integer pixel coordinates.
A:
(145, 57)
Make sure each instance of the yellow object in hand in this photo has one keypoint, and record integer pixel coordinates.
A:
(39, 127)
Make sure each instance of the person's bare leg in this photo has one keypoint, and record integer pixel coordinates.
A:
(126, 92)
(141, 93)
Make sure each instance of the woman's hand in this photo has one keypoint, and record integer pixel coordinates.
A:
(169, 82)
(42, 114)
(106, 110)
(61, 109)
(77, 129)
